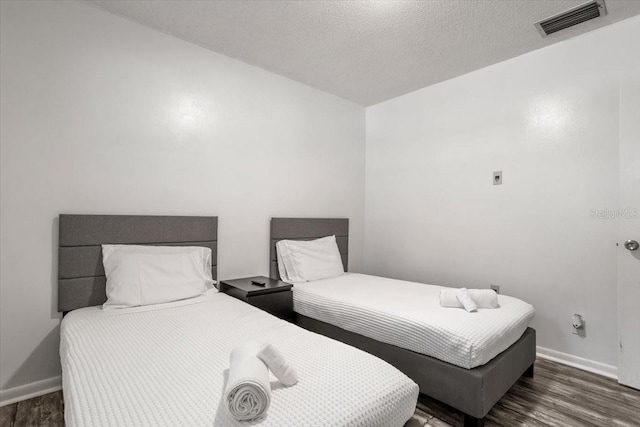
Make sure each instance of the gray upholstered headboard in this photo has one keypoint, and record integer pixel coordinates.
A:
(81, 279)
(307, 229)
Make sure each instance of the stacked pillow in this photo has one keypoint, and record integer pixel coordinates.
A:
(143, 275)
(303, 261)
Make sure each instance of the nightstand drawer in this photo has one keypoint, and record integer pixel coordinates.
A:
(272, 296)
(279, 304)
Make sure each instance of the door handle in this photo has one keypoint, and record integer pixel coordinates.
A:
(631, 245)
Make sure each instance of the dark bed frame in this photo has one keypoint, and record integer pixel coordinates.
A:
(81, 279)
(471, 391)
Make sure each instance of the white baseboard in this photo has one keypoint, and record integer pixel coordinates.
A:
(27, 391)
(578, 362)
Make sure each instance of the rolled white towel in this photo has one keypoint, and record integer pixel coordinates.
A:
(466, 300)
(277, 364)
(248, 393)
(484, 298)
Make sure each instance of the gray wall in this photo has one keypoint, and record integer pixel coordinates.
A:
(101, 115)
(550, 121)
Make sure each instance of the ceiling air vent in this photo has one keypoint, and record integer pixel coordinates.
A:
(571, 17)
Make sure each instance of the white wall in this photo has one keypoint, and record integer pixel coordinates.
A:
(102, 115)
(550, 121)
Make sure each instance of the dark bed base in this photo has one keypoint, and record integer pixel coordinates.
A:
(471, 391)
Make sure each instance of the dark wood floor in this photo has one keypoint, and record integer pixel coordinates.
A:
(558, 395)
(45, 410)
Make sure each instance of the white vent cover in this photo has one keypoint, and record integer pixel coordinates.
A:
(569, 18)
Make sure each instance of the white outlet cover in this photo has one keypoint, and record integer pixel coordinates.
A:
(497, 178)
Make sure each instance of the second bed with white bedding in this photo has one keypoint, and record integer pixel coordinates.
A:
(164, 365)
(409, 315)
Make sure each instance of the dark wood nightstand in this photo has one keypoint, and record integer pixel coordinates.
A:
(274, 297)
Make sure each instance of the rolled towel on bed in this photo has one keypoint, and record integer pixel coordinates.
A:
(277, 364)
(484, 298)
(248, 393)
(466, 300)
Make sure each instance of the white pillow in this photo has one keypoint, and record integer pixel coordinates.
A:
(143, 275)
(282, 251)
(304, 261)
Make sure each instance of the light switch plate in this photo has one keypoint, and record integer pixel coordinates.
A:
(497, 178)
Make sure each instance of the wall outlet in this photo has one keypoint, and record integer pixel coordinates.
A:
(497, 178)
(579, 326)
(496, 288)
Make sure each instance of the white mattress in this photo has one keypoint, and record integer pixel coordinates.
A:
(165, 366)
(408, 315)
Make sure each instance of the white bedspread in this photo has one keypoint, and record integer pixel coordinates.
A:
(408, 315)
(166, 366)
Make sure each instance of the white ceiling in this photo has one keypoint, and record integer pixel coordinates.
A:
(364, 51)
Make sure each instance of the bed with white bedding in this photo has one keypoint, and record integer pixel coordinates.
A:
(164, 365)
(409, 315)
(466, 360)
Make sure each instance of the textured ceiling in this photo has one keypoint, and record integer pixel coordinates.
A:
(364, 51)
